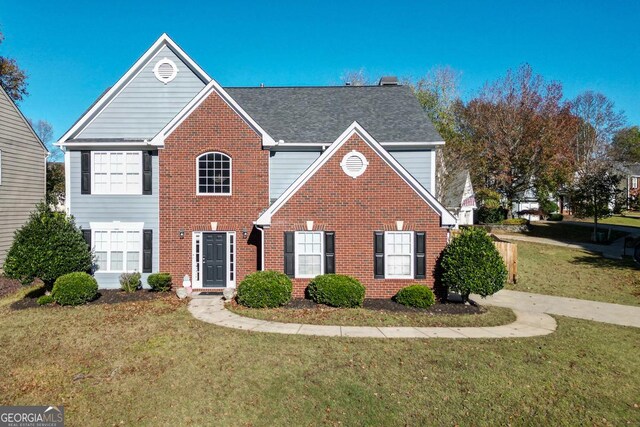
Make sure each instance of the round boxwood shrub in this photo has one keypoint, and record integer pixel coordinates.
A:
(45, 299)
(160, 282)
(415, 296)
(472, 264)
(46, 247)
(336, 290)
(74, 289)
(265, 289)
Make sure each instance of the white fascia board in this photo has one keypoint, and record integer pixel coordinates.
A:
(128, 76)
(447, 219)
(99, 144)
(384, 144)
(212, 86)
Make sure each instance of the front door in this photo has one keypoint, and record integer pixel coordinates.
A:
(214, 260)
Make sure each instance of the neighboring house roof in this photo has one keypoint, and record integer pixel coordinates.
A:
(24, 119)
(447, 219)
(320, 114)
(631, 169)
(454, 189)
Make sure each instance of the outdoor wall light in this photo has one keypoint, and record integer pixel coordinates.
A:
(244, 233)
(181, 233)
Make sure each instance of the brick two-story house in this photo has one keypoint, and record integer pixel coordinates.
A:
(169, 171)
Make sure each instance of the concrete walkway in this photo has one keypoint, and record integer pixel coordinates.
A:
(616, 314)
(211, 309)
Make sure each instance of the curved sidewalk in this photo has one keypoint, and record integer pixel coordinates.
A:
(527, 324)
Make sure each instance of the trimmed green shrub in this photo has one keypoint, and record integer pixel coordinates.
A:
(46, 247)
(487, 215)
(74, 289)
(130, 282)
(265, 289)
(548, 206)
(418, 296)
(472, 264)
(336, 290)
(45, 299)
(556, 217)
(488, 198)
(514, 221)
(160, 282)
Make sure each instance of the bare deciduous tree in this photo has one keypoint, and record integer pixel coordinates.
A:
(356, 78)
(599, 122)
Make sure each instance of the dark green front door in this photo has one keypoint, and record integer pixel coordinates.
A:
(214, 260)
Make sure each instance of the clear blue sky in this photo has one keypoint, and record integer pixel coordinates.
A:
(72, 52)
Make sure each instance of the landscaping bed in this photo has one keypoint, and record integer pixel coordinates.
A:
(8, 286)
(380, 312)
(105, 296)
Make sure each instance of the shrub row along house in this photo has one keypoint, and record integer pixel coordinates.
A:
(169, 171)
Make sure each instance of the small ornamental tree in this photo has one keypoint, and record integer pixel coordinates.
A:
(48, 246)
(472, 264)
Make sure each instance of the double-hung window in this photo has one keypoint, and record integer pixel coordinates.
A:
(117, 172)
(634, 182)
(399, 254)
(309, 254)
(118, 250)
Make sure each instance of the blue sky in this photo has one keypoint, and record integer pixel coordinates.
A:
(72, 52)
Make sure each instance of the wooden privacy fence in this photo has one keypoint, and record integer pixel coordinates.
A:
(509, 253)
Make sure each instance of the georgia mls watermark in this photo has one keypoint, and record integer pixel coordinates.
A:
(31, 416)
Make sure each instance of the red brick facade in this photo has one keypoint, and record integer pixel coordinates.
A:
(213, 126)
(354, 209)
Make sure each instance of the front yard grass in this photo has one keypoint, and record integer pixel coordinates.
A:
(554, 270)
(151, 363)
(631, 219)
(567, 232)
(491, 316)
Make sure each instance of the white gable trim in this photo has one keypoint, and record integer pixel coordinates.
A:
(112, 93)
(212, 86)
(447, 219)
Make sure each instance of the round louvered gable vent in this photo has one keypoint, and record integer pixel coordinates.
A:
(354, 164)
(165, 70)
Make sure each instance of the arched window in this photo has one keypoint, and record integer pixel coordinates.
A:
(214, 174)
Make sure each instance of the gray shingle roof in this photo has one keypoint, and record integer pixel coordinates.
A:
(454, 189)
(321, 114)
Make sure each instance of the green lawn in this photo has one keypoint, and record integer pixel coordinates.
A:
(152, 363)
(555, 270)
(565, 232)
(492, 316)
(628, 220)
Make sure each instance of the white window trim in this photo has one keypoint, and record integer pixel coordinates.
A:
(138, 191)
(198, 193)
(196, 282)
(118, 226)
(412, 256)
(297, 254)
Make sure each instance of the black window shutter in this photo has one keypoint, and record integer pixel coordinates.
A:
(420, 262)
(147, 251)
(85, 172)
(329, 252)
(87, 237)
(378, 250)
(146, 172)
(289, 253)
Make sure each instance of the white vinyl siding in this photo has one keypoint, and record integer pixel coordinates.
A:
(118, 250)
(116, 172)
(398, 254)
(309, 254)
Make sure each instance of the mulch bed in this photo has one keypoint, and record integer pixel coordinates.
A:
(105, 296)
(8, 286)
(390, 305)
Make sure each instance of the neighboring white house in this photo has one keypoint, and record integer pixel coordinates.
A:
(458, 197)
(23, 174)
